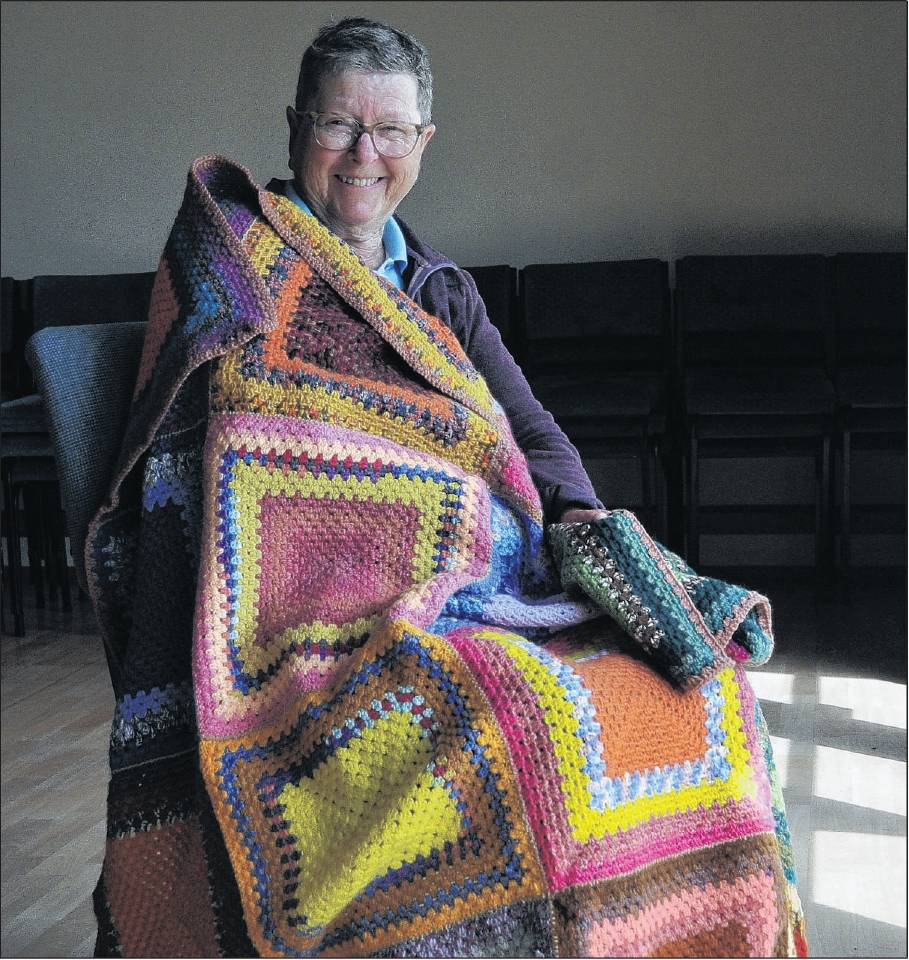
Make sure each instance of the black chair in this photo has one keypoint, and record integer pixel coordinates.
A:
(28, 468)
(752, 366)
(498, 286)
(15, 329)
(59, 301)
(869, 306)
(595, 341)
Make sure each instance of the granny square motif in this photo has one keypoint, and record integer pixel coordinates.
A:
(316, 531)
(594, 786)
(428, 839)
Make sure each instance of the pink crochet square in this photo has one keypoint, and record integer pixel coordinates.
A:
(331, 560)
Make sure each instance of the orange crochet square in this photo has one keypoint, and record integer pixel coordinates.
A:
(647, 722)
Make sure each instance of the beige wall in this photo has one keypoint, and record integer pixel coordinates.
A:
(566, 131)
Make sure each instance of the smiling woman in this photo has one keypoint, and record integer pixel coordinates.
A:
(352, 185)
(390, 680)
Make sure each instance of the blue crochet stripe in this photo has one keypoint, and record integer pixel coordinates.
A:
(152, 723)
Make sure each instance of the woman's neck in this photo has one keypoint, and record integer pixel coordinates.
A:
(371, 251)
(366, 243)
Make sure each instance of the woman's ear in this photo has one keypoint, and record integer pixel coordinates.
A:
(293, 122)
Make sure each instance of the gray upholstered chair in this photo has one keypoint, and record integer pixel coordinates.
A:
(85, 375)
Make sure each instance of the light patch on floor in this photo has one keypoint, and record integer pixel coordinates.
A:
(772, 686)
(861, 873)
(874, 701)
(874, 782)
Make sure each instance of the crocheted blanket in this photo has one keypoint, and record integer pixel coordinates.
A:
(366, 703)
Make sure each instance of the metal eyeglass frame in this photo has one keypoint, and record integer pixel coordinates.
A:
(366, 128)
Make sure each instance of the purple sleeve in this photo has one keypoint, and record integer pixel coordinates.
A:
(555, 464)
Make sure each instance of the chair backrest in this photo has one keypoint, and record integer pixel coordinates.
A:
(86, 375)
(7, 310)
(15, 329)
(753, 310)
(59, 301)
(498, 286)
(609, 314)
(869, 306)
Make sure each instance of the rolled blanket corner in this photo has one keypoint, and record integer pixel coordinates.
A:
(690, 627)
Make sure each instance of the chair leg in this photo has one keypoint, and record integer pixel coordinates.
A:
(846, 504)
(659, 491)
(49, 543)
(674, 472)
(5, 591)
(823, 539)
(59, 550)
(34, 534)
(55, 548)
(827, 472)
(692, 553)
(646, 499)
(64, 572)
(14, 550)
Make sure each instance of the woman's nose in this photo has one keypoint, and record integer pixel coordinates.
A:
(364, 149)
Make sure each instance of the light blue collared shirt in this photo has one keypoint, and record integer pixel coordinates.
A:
(392, 239)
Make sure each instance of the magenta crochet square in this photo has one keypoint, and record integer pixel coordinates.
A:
(331, 560)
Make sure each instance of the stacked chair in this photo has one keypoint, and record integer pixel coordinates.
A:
(29, 470)
(869, 306)
(596, 348)
(768, 356)
(753, 369)
(498, 286)
(26, 465)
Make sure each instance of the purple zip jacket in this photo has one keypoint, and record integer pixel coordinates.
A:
(446, 291)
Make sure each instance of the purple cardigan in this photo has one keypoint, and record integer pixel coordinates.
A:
(449, 293)
(446, 291)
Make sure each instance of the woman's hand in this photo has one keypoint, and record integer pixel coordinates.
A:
(574, 515)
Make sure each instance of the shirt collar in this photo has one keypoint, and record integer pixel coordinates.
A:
(392, 236)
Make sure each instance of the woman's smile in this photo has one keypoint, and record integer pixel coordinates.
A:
(359, 181)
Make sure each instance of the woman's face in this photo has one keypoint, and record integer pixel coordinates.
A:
(357, 210)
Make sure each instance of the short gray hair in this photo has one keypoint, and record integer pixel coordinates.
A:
(356, 43)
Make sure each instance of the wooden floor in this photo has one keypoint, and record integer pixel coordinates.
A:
(57, 706)
(834, 695)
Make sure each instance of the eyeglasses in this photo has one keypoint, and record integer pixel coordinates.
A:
(391, 138)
